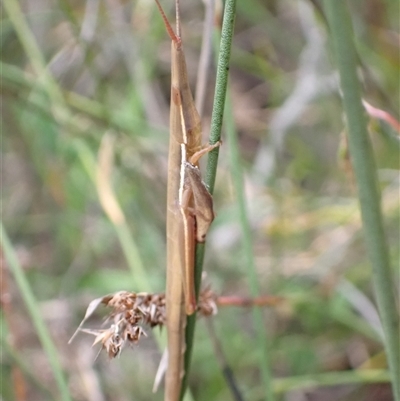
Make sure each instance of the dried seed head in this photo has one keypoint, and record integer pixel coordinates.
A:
(130, 311)
(207, 302)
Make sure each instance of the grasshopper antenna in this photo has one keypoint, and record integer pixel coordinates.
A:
(178, 21)
(174, 37)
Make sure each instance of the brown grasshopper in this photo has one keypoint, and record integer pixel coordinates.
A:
(189, 208)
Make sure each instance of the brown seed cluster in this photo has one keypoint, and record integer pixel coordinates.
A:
(130, 312)
(207, 305)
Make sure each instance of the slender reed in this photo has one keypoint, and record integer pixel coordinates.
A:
(258, 318)
(362, 158)
(360, 376)
(34, 311)
(45, 79)
(215, 135)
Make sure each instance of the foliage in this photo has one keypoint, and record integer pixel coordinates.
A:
(85, 92)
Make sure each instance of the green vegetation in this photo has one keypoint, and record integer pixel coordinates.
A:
(85, 93)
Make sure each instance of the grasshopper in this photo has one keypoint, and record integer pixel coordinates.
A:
(189, 208)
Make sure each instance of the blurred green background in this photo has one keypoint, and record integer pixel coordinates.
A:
(85, 106)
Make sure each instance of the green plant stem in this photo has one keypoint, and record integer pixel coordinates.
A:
(20, 362)
(365, 173)
(258, 318)
(286, 384)
(312, 381)
(220, 90)
(34, 312)
(131, 251)
(215, 136)
(20, 82)
(125, 237)
(45, 79)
